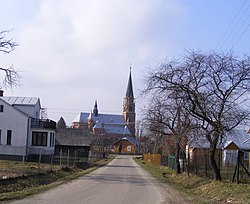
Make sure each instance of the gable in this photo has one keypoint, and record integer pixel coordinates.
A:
(10, 110)
(231, 145)
(130, 140)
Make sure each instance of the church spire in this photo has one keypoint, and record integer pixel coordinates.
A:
(95, 110)
(129, 92)
(129, 106)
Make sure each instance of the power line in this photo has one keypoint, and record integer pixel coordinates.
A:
(75, 111)
(235, 25)
(240, 30)
(242, 34)
(224, 36)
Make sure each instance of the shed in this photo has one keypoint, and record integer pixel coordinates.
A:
(71, 142)
(126, 145)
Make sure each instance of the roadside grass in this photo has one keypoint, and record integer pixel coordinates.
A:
(11, 169)
(201, 190)
(22, 185)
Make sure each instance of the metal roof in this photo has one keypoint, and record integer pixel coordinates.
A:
(100, 118)
(12, 100)
(113, 124)
(239, 137)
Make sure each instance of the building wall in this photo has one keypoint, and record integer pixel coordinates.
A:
(44, 150)
(17, 122)
(127, 147)
(32, 111)
(201, 155)
(80, 125)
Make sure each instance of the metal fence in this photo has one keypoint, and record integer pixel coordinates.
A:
(44, 163)
(199, 165)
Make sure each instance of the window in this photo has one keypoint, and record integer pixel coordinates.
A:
(1, 108)
(246, 155)
(52, 139)
(39, 138)
(9, 133)
(0, 137)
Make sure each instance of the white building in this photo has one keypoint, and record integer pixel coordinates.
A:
(23, 134)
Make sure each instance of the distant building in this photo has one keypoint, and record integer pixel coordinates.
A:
(126, 145)
(23, 134)
(227, 150)
(111, 126)
(73, 143)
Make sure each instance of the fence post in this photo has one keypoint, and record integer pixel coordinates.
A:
(196, 165)
(68, 159)
(75, 159)
(51, 161)
(40, 156)
(60, 157)
(206, 164)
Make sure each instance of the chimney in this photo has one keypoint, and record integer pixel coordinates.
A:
(1, 93)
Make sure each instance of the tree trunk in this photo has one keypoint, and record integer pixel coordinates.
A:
(177, 162)
(216, 170)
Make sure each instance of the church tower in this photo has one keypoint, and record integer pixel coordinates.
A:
(129, 106)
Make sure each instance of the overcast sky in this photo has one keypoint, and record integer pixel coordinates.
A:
(72, 53)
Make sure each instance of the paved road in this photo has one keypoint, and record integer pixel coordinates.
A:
(122, 181)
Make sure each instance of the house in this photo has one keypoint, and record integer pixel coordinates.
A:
(73, 143)
(197, 152)
(236, 140)
(126, 145)
(227, 151)
(23, 134)
(110, 127)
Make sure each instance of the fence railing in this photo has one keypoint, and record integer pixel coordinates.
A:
(46, 124)
(200, 166)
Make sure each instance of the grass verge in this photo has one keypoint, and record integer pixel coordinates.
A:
(25, 185)
(201, 190)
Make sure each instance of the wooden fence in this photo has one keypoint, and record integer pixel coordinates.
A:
(152, 158)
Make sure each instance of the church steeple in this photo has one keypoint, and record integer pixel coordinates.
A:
(129, 106)
(129, 92)
(95, 110)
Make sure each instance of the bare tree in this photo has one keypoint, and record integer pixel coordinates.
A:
(11, 76)
(166, 117)
(214, 88)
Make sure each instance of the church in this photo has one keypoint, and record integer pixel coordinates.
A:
(111, 127)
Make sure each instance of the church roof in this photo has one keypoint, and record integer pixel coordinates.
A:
(115, 129)
(113, 124)
(101, 118)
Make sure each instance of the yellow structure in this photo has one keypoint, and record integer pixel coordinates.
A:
(152, 158)
(125, 146)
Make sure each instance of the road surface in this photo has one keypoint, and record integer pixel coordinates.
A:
(122, 181)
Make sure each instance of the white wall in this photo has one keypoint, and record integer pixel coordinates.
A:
(12, 119)
(32, 111)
